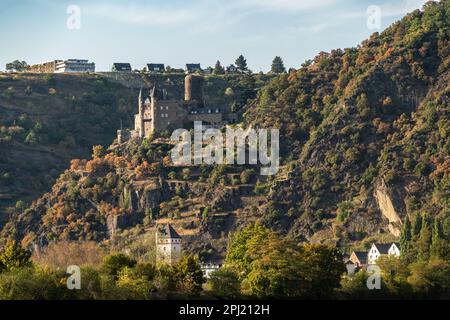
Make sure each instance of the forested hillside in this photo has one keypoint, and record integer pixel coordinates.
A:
(363, 125)
(365, 157)
(365, 146)
(48, 120)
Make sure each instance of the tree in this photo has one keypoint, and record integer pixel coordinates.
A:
(225, 283)
(218, 69)
(405, 238)
(31, 138)
(17, 66)
(431, 279)
(189, 275)
(323, 268)
(417, 226)
(424, 242)
(278, 65)
(21, 206)
(241, 64)
(98, 151)
(276, 268)
(238, 254)
(138, 285)
(114, 263)
(394, 273)
(439, 246)
(15, 257)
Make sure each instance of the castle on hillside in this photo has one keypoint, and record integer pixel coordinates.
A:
(157, 112)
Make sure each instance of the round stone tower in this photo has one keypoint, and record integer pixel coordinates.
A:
(194, 89)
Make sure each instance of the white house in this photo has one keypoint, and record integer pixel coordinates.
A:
(210, 267)
(379, 249)
(358, 258)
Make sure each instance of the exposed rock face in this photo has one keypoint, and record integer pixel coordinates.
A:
(387, 208)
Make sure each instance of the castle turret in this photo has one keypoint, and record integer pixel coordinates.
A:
(141, 115)
(193, 89)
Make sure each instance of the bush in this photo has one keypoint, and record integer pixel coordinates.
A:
(14, 257)
(114, 263)
(225, 283)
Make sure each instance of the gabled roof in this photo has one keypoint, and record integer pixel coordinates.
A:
(155, 66)
(168, 232)
(122, 66)
(383, 248)
(361, 256)
(193, 66)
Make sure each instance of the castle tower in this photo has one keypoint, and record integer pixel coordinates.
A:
(153, 108)
(168, 244)
(193, 89)
(141, 115)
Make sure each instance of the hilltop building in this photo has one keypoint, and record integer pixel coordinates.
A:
(157, 112)
(168, 244)
(155, 68)
(121, 67)
(63, 66)
(192, 68)
(74, 65)
(44, 67)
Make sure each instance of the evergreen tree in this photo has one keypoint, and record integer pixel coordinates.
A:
(424, 242)
(218, 69)
(439, 245)
(278, 65)
(241, 64)
(405, 238)
(14, 257)
(417, 226)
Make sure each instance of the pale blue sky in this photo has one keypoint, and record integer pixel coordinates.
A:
(176, 32)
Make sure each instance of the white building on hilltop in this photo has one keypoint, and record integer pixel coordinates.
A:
(74, 65)
(168, 244)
